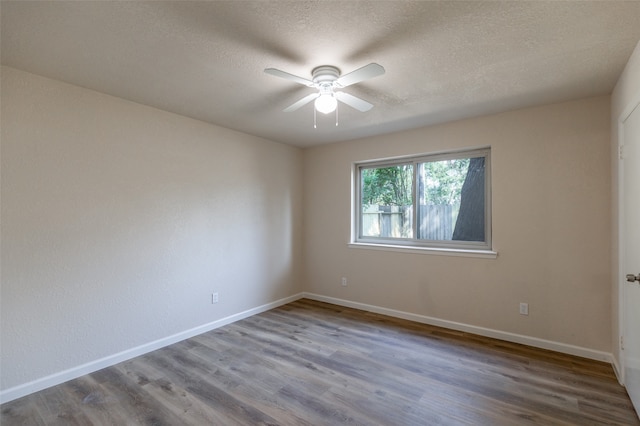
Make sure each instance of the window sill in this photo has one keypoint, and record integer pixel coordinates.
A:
(485, 254)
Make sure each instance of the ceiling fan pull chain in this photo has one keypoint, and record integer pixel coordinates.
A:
(314, 119)
(337, 115)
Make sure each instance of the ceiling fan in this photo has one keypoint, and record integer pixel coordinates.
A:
(327, 80)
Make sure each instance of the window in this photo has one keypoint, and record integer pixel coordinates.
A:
(427, 201)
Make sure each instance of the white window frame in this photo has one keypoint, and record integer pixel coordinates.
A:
(456, 248)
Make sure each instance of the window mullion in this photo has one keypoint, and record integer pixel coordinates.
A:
(415, 201)
(358, 187)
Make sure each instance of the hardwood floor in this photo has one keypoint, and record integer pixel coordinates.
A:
(312, 363)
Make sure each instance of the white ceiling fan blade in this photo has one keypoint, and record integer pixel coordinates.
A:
(364, 73)
(302, 102)
(353, 102)
(288, 76)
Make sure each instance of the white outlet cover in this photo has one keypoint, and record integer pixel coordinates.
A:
(524, 309)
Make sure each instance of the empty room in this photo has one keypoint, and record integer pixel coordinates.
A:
(319, 212)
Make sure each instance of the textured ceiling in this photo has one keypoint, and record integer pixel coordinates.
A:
(444, 60)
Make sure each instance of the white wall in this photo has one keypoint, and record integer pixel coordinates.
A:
(551, 210)
(627, 87)
(120, 220)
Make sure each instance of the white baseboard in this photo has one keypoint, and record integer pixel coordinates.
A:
(617, 370)
(90, 367)
(487, 332)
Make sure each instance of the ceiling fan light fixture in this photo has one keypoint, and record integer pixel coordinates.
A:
(326, 103)
(327, 78)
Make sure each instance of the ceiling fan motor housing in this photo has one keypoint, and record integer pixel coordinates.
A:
(325, 77)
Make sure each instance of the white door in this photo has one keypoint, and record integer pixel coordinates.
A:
(630, 256)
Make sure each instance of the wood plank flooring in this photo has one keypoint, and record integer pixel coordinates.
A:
(312, 363)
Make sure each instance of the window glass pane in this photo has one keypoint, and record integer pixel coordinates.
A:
(440, 200)
(386, 201)
(451, 195)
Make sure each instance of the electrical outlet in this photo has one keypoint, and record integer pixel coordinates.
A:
(524, 309)
(343, 281)
(214, 298)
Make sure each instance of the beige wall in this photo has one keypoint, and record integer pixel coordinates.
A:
(551, 209)
(627, 89)
(120, 220)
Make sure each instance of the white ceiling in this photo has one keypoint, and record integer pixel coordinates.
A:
(444, 60)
